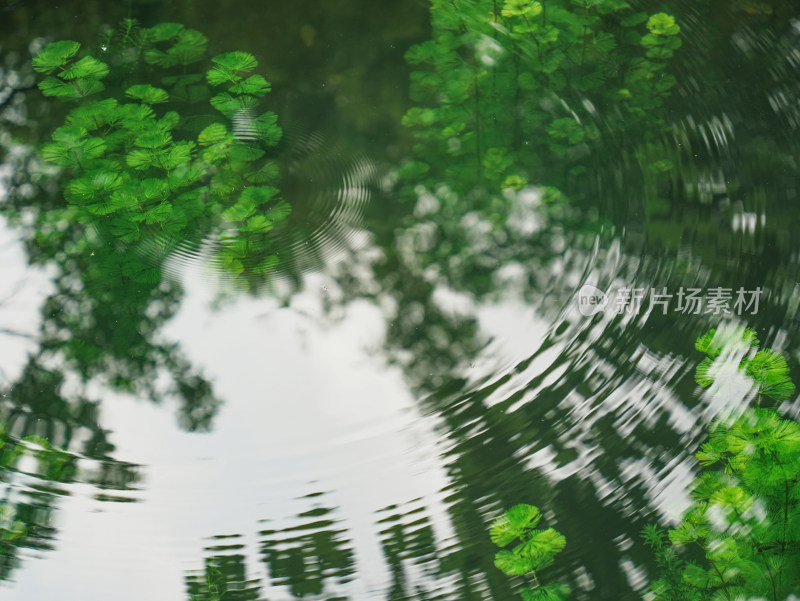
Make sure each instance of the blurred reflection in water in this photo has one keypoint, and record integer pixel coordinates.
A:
(431, 348)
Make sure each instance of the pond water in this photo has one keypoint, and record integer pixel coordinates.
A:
(510, 221)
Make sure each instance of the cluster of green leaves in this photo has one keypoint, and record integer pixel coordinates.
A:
(743, 527)
(140, 165)
(766, 368)
(503, 87)
(535, 550)
(516, 102)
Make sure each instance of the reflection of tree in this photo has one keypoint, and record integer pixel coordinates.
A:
(34, 470)
(225, 574)
(613, 411)
(311, 558)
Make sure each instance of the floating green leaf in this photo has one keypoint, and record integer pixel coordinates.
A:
(229, 105)
(771, 372)
(125, 229)
(236, 61)
(548, 592)
(512, 564)
(88, 66)
(190, 47)
(153, 138)
(566, 129)
(257, 223)
(164, 31)
(521, 8)
(268, 129)
(279, 212)
(240, 211)
(55, 55)
(71, 90)
(663, 24)
(258, 195)
(255, 85)
(216, 132)
(147, 94)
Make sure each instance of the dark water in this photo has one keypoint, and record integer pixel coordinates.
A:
(348, 426)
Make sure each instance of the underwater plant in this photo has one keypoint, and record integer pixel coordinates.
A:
(742, 531)
(145, 165)
(536, 550)
(509, 92)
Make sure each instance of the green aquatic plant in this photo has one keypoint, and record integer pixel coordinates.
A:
(503, 88)
(519, 107)
(144, 162)
(767, 369)
(742, 532)
(536, 549)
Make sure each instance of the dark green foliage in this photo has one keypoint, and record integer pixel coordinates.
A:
(745, 515)
(519, 108)
(137, 172)
(505, 86)
(535, 551)
(767, 369)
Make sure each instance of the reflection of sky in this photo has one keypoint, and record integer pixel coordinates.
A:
(308, 408)
(22, 290)
(309, 405)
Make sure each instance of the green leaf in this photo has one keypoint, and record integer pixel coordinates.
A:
(228, 67)
(152, 189)
(704, 375)
(91, 187)
(266, 265)
(153, 138)
(147, 94)
(502, 532)
(229, 105)
(712, 343)
(541, 547)
(216, 132)
(523, 516)
(771, 373)
(154, 56)
(55, 55)
(134, 115)
(550, 592)
(125, 229)
(217, 76)
(245, 152)
(94, 114)
(88, 66)
(268, 129)
(164, 31)
(257, 223)
(255, 85)
(511, 564)
(258, 195)
(236, 61)
(663, 24)
(158, 213)
(279, 212)
(190, 47)
(141, 158)
(566, 129)
(266, 174)
(72, 90)
(521, 8)
(239, 212)
(141, 272)
(179, 154)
